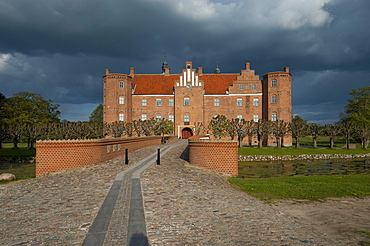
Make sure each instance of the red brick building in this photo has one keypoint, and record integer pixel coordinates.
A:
(192, 96)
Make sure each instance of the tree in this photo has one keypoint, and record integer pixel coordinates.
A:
(358, 109)
(315, 130)
(332, 131)
(347, 128)
(280, 129)
(363, 132)
(97, 115)
(218, 126)
(263, 129)
(29, 108)
(298, 128)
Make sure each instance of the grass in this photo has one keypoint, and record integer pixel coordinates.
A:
(299, 151)
(20, 170)
(311, 188)
(22, 151)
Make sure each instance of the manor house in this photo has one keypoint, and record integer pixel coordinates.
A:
(192, 96)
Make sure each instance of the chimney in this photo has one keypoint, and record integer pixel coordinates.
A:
(200, 70)
(132, 71)
(286, 69)
(248, 66)
(107, 71)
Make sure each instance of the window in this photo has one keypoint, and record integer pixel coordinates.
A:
(170, 102)
(253, 87)
(217, 102)
(171, 117)
(255, 102)
(186, 101)
(241, 87)
(143, 102)
(240, 117)
(239, 102)
(121, 84)
(273, 99)
(186, 117)
(158, 117)
(274, 117)
(121, 117)
(143, 117)
(255, 118)
(121, 100)
(158, 102)
(273, 83)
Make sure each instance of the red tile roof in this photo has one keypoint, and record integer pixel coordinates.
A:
(217, 83)
(149, 84)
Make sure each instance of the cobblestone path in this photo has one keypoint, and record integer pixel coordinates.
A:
(184, 205)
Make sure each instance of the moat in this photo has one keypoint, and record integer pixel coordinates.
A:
(264, 169)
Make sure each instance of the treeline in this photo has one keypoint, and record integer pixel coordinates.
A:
(298, 128)
(81, 130)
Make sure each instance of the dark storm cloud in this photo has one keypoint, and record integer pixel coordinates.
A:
(61, 48)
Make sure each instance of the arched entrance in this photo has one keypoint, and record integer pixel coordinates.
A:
(186, 133)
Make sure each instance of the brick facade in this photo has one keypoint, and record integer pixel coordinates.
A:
(218, 155)
(58, 155)
(192, 97)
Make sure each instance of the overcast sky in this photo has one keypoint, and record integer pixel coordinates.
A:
(61, 48)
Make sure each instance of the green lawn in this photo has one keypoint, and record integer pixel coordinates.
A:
(22, 151)
(312, 188)
(300, 151)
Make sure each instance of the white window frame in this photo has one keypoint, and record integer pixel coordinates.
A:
(158, 117)
(158, 102)
(216, 102)
(240, 117)
(121, 100)
(121, 84)
(171, 117)
(273, 99)
(171, 102)
(143, 102)
(274, 117)
(254, 87)
(255, 118)
(239, 102)
(186, 101)
(255, 102)
(121, 117)
(143, 117)
(273, 83)
(241, 87)
(186, 117)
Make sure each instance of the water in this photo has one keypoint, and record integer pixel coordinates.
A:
(307, 168)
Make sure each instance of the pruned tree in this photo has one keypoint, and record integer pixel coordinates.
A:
(199, 128)
(363, 132)
(32, 132)
(332, 130)
(280, 130)
(263, 130)
(163, 127)
(347, 129)
(315, 130)
(298, 127)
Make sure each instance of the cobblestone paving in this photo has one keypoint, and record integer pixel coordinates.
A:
(184, 205)
(58, 209)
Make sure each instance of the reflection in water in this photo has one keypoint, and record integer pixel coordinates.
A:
(291, 168)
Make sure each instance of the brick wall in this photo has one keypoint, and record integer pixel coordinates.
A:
(218, 155)
(58, 155)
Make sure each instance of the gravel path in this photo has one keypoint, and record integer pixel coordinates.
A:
(184, 205)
